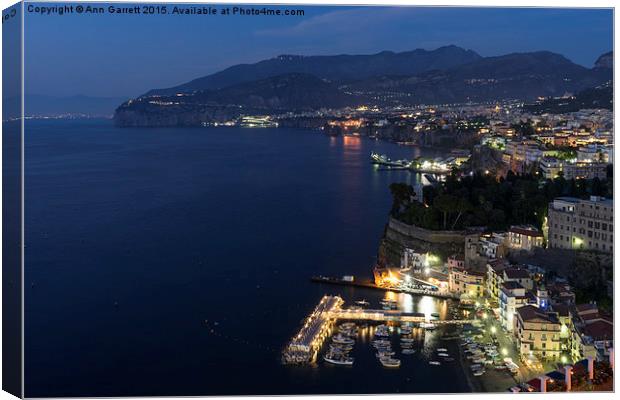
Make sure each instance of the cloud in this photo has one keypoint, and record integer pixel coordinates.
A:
(340, 22)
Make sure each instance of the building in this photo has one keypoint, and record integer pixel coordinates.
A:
(495, 278)
(492, 245)
(519, 275)
(466, 282)
(512, 296)
(581, 224)
(592, 334)
(552, 168)
(524, 238)
(538, 334)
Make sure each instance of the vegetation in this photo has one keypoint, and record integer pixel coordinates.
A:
(589, 276)
(482, 200)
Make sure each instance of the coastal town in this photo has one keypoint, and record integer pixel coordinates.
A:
(529, 282)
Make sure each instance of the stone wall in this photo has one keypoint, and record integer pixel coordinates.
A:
(399, 235)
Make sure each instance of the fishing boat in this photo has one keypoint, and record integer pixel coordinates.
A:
(434, 363)
(408, 351)
(442, 350)
(362, 302)
(443, 354)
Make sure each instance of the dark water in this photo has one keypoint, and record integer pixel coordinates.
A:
(135, 237)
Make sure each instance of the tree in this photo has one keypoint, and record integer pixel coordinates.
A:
(445, 203)
(401, 196)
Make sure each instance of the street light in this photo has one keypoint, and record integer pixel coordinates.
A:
(504, 351)
(493, 330)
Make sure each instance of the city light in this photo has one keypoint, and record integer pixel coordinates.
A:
(493, 330)
(504, 351)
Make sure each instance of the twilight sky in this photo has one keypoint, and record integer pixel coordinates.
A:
(126, 55)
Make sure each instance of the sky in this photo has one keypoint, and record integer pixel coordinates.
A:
(111, 55)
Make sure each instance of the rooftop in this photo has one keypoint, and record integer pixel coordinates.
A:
(534, 314)
(516, 273)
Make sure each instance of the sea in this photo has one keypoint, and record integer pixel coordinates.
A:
(177, 261)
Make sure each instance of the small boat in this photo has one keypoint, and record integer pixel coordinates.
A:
(436, 315)
(390, 362)
(479, 372)
(407, 340)
(434, 363)
(443, 354)
(385, 354)
(338, 360)
(442, 349)
(339, 339)
(408, 351)
(362, 302)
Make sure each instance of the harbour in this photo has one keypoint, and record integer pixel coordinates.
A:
(318, 327)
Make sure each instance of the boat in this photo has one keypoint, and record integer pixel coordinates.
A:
(479, 372)
(362, 302)
(338, 360)
(390, 362)
(407, 340)
(385, 354)
(434, 363)
(408, 351)
(436, 315)
(443, 354)
(442, 349)
(340, 339)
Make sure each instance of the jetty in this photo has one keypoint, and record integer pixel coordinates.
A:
(303, 347)
(369, 285)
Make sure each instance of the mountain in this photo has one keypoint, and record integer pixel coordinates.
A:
(605, 61)
(282, 93)
(597, 97)
(523, 76)
(335, 68)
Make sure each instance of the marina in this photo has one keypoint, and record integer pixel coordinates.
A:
(319, 326)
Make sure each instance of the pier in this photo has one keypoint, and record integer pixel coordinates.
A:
(370, 285)
(304, 347)
(393, 316)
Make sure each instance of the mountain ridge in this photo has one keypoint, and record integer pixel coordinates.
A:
(521, 76)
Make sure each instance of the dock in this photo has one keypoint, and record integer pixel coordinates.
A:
(304, 346)
(370, 285)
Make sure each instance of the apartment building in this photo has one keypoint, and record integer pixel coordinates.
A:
(538, 333)
(466, 282)
(524, 238)
(581, 224)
